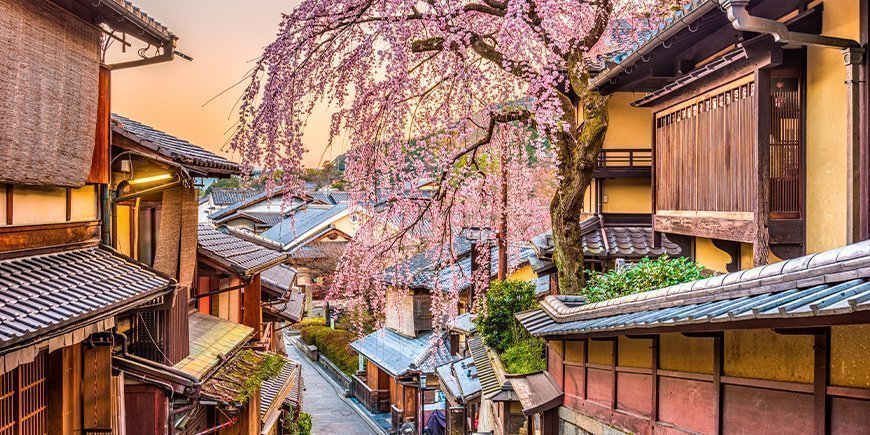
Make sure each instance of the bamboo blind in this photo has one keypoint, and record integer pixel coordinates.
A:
(49, 66)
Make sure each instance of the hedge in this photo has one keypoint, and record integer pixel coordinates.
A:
(332, 343)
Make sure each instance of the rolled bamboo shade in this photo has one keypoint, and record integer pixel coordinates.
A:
(49, 78)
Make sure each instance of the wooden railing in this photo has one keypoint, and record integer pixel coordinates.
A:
(376, 401)
(397, 417)
(624, 162)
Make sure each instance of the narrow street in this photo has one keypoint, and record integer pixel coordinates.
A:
(331, 414)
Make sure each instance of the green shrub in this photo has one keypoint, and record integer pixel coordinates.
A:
(312, 321)
(524, 356)
(496, 324)
(640, 277)
(302, 426)
(334, 344)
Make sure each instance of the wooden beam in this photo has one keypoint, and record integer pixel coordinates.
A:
(29, 237)
(761, 242)
(253, 313)
(709, 227)
(9, 202)
(822, 352)
(68, 204)
(718, 362)
(654, 383)
(614, 362)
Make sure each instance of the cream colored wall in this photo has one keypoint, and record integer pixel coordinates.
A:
(709, 256)
(346, 226)
(83, 205)
(827, 152)
(524, 273)
(399, 314)
(629, 127)
(627, 195)
(38, 205)
(123, 227)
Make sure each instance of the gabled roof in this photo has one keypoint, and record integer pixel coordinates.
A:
(425, 272)
(212, 340)
(264, 195)
(606, 241)
(460, 379)
(489, 382)
(235, 254)
(178, 150)
(830, 283)
(49, 293)
(537, 392)
(396, 354)
(297, 227)
(279, 278)
(463, 323)
(225, 196)
(274, 392)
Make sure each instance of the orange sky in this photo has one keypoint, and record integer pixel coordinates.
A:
(222, 36)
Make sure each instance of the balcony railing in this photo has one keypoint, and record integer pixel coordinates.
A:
(624, 163)
(376, 401)
(397, 417)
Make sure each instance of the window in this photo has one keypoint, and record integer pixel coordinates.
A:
(22, 399)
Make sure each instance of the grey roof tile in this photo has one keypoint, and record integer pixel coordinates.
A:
(397, 354)
(234, 253)
(302, 221)
(43, 293)
(179, 150)
(225, 196)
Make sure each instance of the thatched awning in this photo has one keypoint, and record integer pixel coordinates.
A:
(48, 95)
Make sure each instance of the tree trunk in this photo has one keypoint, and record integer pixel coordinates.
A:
(577, 151)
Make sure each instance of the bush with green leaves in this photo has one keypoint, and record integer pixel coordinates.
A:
(643, 276)
(520, 352)
(301, 426)
(333, 343)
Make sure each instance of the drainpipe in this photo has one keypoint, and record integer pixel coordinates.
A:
(853, 57)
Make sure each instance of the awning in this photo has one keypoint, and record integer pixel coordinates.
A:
(212, 339)
(537, 392)
(63, 297)
(275, 393)
(289, 310)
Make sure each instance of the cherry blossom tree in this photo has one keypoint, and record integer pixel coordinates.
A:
(464, 94)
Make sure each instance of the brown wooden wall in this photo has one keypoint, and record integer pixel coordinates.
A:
(753, 381)
(705, 151)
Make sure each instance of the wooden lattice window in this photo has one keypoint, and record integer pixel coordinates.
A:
(786, 145)
(22, 399)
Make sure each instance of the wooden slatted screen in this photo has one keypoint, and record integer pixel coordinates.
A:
(705, 151)
(786, 137)
(22, 399)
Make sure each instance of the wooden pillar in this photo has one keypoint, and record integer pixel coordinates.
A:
(615, 350)
(253, 314)
(718, 359)
(761, 245)
(654, 381)
(821, 377)
(97, 388)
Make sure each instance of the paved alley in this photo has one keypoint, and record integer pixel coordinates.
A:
(331, 414)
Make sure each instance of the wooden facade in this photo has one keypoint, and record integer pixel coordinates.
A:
(712, 383)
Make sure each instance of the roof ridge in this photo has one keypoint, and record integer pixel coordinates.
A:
(845, 263)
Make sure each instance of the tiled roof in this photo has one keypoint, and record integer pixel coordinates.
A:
(622, 242)
(145, 21)
(263, 195)
(292, 228)
(266, 218)
(460, 378)
(424, 271)
(463, 323)
(230, 195)
(234, 253)
(45, 293)
(287, 385)
(179, 150)
(212, 339)
(290, 310)
(485, 372)
(683, 17)
(229, 383)
(319, 250)
(279, 277)
(830, 283)
(397, 354)
(537, 392)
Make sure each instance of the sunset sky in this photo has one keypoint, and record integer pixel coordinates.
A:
(223, 37)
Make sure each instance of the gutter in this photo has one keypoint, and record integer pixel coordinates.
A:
(853, 57)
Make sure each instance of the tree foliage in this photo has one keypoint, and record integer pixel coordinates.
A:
(520, 352)
(643, 276)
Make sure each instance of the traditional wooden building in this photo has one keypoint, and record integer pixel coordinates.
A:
(65, 289)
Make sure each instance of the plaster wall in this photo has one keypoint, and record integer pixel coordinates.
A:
(826, 148)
